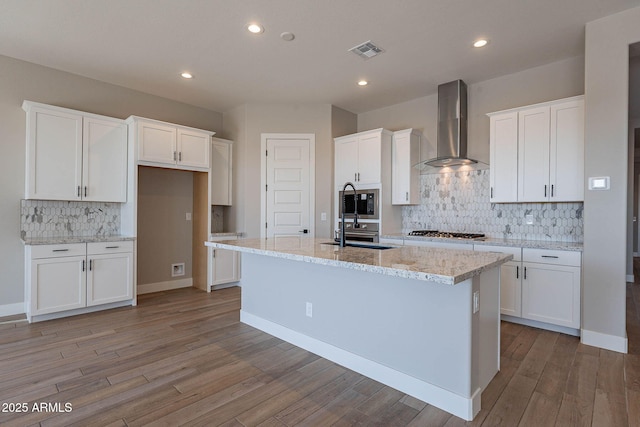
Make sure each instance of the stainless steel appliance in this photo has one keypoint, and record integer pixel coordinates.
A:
(447, 234)
(368, 203)
(366, 231)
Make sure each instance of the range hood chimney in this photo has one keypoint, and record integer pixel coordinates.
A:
(451, 148)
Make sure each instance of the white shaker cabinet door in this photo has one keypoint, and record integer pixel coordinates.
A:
(567, 151)
(551, 294)
(57, 284)
(503, 148)
(157, 143)
(511, 289)
(193, 148)
(346, 157)
(109, 278)
(54, 155)
(221, 172)
(369, 159)
(226, 266)
(104, 167)
(533, 156)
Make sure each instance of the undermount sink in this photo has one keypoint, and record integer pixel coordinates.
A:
(362, 245)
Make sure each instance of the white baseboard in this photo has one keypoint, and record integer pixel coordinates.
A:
(541, 325)
(164, 286)
(12, 309)
(630, 278)
(460, 406)
(606, 341)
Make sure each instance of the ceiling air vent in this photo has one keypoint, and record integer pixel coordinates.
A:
(366, 50)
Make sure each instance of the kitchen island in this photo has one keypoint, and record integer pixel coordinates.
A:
(424, 321)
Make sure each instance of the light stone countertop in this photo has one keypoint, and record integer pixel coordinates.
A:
(225, 233)
(522, 243)
(78, 239)
(446, 266)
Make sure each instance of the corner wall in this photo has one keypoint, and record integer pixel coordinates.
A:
(606, 151)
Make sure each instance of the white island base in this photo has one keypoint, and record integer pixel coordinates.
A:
(420, 337)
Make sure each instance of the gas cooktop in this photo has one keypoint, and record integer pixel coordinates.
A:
(447, 234)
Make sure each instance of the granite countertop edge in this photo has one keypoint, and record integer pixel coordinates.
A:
(34, 241)
(523, 243)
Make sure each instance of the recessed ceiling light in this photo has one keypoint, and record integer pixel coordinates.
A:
(287, 36)
(363, 83)
(255, 28)
(187, 75)
(480, 43)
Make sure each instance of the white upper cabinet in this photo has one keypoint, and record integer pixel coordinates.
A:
(358, 157)
(221, 171)
(169, 145)
(537, 153)
(405, 179)
(73, 155)
(503, 174)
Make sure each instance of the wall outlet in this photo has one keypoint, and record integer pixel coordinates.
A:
(177, 269)
(528, 219)
(323, 216)
(309, 310)
(188, 216)
(476, 301)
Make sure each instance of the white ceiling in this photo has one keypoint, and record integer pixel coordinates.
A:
(145, 44)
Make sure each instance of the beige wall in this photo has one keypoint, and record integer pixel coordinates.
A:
(552, 81)
(22, 80)
(606, 151)
(245, 124)
(164, 234)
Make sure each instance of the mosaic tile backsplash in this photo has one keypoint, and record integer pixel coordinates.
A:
(459, 201)
(47, 218)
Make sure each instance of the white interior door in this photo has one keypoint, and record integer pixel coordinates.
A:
(288, 187)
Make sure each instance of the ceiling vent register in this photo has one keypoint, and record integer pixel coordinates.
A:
(366, 50)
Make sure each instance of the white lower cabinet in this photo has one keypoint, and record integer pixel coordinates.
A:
(551, 287)
(74, 276)
(540, 285)
(110, 272)
(224, 266)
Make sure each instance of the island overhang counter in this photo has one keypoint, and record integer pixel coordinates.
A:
(422, 320)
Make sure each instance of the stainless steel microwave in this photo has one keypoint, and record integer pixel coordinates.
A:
(368, 203)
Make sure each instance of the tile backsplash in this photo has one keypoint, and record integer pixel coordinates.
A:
(459, 201)
(47, 218)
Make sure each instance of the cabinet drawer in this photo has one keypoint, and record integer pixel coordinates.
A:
(516, 252)
(545, 256)
(55, 251)
(99, 248)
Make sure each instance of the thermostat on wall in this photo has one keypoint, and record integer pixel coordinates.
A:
(599, 183)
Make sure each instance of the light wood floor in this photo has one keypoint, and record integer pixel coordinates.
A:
(183, 358)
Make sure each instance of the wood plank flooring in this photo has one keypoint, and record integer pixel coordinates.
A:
(183, 358)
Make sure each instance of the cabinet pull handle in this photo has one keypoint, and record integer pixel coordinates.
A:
(525, 273)
(60, 250)
(85, 191)
(551, 190)
(549, 256)
(90, 264)
(355, 176)
(180, 156)
(406, 196)
(78, 191)
(174, 156)
(358, 176)
(517, 271)
(545, 190)
(214, 254)
(491, 193)
(112, 247)
(83, 265)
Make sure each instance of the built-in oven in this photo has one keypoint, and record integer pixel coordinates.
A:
(366, 232)
(367, 201)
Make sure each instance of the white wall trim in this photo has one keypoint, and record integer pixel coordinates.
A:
(164, 286)
(453, 403)
(312, 177)
(12, 309)
(606, 341)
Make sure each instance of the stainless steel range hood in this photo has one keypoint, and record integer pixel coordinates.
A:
(451, 148)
